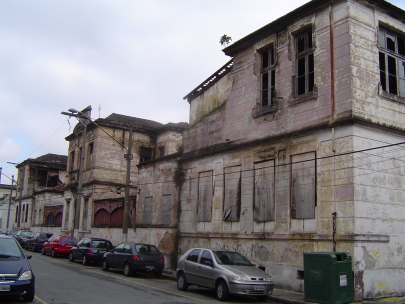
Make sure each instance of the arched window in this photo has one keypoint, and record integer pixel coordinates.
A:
(58, 219)
(117, 217)
(50, 220)
(102, 218)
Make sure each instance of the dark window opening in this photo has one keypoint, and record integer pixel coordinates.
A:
(305, 77)
(145, 154)
(161, 151)
(268, 78)
(90, 156)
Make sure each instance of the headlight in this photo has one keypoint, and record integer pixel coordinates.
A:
(239, 278)
(26, 275)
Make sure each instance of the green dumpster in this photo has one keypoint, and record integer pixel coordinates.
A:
(328, 277)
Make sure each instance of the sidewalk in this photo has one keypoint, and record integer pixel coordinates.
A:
(290, 297)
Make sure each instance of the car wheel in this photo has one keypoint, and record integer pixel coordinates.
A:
(127, 270)
(222, 291)
(182, 282)
(53, 253)
(29, 296)
(157, 274)
(71, 258)
(43, 251)
(104, 265)
(261, 298)
(85, 261)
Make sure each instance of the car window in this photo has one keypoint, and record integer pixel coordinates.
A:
(193, 256)
(68, 240)
(127, 249)
(206, 257)
(101, 244)
(231, 258)
(25, 233)
(119, 248)
(9, 249)
(146, 249)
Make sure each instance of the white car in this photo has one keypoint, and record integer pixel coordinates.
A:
(227, 272)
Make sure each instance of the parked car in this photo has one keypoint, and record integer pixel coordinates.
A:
(16, 278)
(135, 257)
(3, 231)
(90, 250)
(22, 236)
(59, 245)
(228, 272)
(12, 232)
(36, 242)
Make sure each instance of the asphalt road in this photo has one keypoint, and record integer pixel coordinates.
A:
(59, 281)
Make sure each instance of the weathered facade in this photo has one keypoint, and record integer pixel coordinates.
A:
(7, 205)
(39, 197)
(295, 146)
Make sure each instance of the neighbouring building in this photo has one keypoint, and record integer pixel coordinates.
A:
(7, 205)
(296, 145)
(39, 197)
(104, 147)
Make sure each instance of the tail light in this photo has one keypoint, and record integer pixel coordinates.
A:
(89, 250)
(135, 257)
(162, 260)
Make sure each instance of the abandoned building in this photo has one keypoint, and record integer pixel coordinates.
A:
(7, 205)
(296, 145)
(39, 195)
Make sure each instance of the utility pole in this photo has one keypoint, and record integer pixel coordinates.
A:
(129, 158)
(9, 202)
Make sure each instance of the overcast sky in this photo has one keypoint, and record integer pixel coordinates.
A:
(137, 58)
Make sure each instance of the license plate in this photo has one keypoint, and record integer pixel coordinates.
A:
(150, 267)
(259, 288)
(4, 287)
(69, 246)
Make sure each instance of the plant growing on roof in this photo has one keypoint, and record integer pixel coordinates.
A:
(225, 40)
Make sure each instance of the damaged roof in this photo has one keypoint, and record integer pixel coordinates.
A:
(48, 160)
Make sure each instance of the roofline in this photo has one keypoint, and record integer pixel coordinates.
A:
(281, 23)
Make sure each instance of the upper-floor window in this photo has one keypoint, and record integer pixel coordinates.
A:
(392, 62)
(145, 154)
(304, 63)
(90, 155)
(268, 77)
(72, 161)
(161, 151)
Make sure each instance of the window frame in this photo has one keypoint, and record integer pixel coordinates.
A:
(268, 61)
(391, 83)
(305, 54)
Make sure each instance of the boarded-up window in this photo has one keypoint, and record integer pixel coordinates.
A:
(117, 217)
(58, 219)
(264, 191)
(166, 209)
(147, 210)
(102, 218)
(303, 182)
(204, 207)
(50, 219)
(232, 194)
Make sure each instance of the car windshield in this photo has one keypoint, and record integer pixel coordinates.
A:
(25, 233)
(231, 258)
(68, 240)
(101, 244)
(12, 232)
(146, 249)
(9, 249)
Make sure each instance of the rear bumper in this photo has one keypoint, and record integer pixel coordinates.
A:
(147, 267)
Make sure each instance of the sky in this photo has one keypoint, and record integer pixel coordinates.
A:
(132, 57)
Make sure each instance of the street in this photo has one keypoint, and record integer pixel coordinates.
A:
(59, 281)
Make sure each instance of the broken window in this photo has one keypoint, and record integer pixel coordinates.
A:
(232, 195)
(42, 177)
(268, 77)
(166, 209)
(90, 156)
(147, 210)
(264, 191)
(303, 186)
(72, 161)
(205, 194)
(305, 78)
(145, 154)
(392, 62)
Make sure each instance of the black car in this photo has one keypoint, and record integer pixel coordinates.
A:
(134, 257)
(90, 250)
(22, 236)
(16, 278)
(36, 242)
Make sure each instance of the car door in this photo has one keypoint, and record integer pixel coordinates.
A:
(82, 249)
(205, 270)
(125, 255)
(191, 265)
(76, 250)
(113, 257)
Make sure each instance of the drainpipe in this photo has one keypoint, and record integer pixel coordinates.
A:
(332, 67)
(129, 158)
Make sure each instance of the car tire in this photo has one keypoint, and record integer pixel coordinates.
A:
(43, 251)
(85, 261)
(261, 298)
(104, 265)
(222, 291)
(127, 270)
(29, 296)
(53, 253)
(71, 258)
(157, 274)
(182, 282)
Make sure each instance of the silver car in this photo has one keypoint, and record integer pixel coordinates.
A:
(227, 272)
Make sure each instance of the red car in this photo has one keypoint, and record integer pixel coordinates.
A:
(59, 245)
